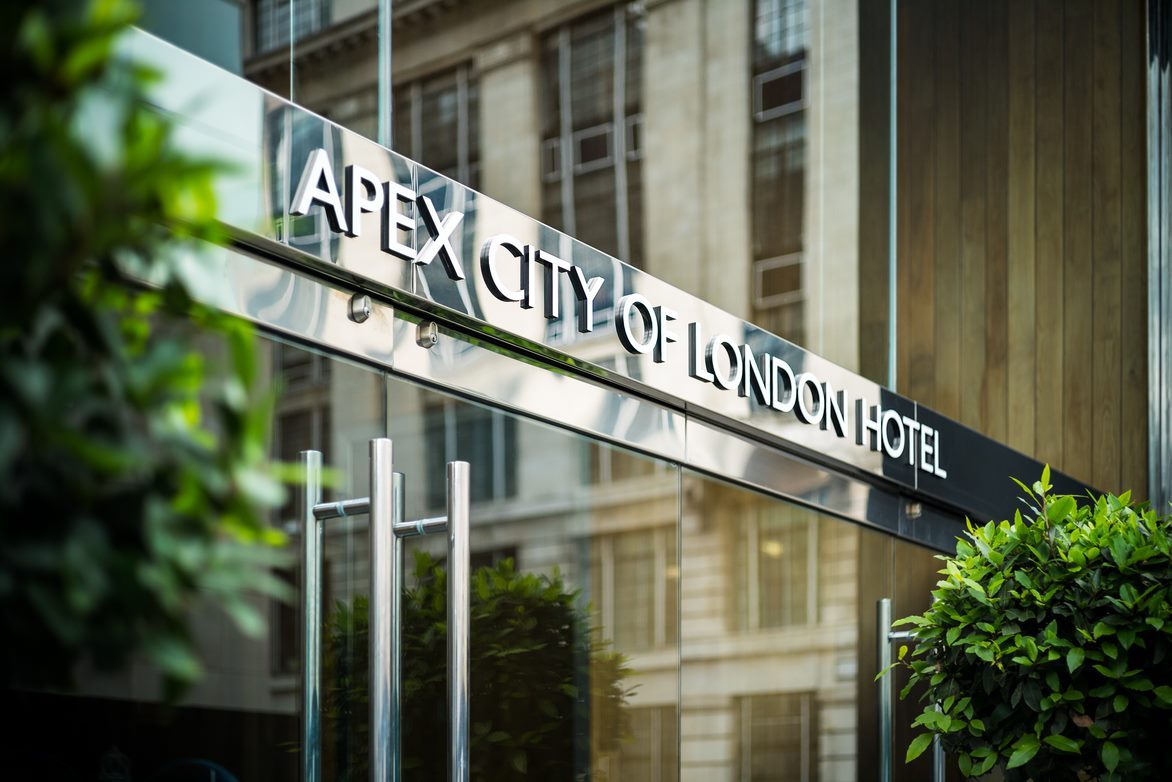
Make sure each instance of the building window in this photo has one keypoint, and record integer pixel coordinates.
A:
(437, 123)
(636, 588)
(591, 148)
(272, 21)
(608, 464)
(779, 165)
(776, 570)
(653, 751)
(486, 439)
(777, 738)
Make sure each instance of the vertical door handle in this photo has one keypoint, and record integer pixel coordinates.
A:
(387, 529)
(383, 614)
(886, 637)
(311, 619)
(459, 617)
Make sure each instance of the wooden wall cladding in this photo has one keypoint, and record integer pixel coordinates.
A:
(1022, 226)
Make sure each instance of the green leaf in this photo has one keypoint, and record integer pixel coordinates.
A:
(1024, 751)
(1060, 508)
(1063, 743)
(917, 747)
(1074, 658)
(1110, 755)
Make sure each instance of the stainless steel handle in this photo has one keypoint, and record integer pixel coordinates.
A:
(387, 529)
(384, 708)
(459, 617)
(311, 617)
(886, 637)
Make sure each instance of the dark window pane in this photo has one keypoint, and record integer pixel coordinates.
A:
(778, 183)
(779, 280)
(593, 146)
(403, 121)
(776, 737)
(594, 212)
(439, 107)
(779, 32)
(635, 212)
(592, 71)
(781, 91)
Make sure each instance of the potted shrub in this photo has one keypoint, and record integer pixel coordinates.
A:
(1046, 652)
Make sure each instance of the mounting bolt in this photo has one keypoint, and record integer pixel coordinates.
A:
(426, 334)
(360, 308)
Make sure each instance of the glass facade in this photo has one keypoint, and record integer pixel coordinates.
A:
(671, 626)
(892, 186)
(949, 199)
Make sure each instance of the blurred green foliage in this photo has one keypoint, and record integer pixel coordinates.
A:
(547, 696)
(133, 476)
(1048, 649)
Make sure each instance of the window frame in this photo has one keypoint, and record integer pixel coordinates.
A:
(604, 551)
(748, 614)
(560, 153)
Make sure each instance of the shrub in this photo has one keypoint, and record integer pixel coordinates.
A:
(546, 696)
(133, 476)
(1046, 651)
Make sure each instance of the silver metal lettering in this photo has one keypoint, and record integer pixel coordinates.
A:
(757, 380)
(622, 322)
(733, 378)
(813, 413)
(940, 471)
(488, 266)
(663, 316)
(836, 407)
(784, 385)
(912, 427)
(868, 421)
(317, 186)
(584, 291)
(554, 266)
(364, 194)
(395, 220)
(894, 450)
(926, 449)
(441, 236)
(696, 363)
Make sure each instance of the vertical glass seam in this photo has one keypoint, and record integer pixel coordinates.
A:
(892, 188)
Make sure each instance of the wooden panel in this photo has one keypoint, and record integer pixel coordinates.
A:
(974, 86)
(994, 390)
(1106, 374)
(1076, 201)
(1134, 292)
(916, 301)
(1048, 390)
(945, 397)
(1022, 226)
(874, 179)
(1021, 319)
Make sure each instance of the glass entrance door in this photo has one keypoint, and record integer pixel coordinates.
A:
(630, 620)
(574, 652)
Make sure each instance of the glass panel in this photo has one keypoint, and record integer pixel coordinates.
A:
(575, 599)
(772, 659)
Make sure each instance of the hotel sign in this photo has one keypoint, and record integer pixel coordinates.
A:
(529, 277)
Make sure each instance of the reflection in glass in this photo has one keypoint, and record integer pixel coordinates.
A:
(578, 535)
(769, 649)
